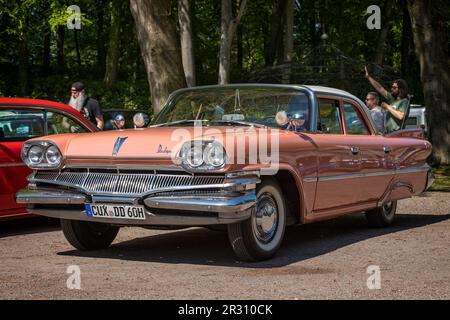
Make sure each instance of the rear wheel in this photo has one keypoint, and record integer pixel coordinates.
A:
(259, 237)
(85, 235)
(382, 216)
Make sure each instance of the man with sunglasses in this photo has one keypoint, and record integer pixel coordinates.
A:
(372, 102)
(398, 102)
(86, 105)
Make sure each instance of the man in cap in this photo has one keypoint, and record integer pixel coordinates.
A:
(118, 122)
(86, 105)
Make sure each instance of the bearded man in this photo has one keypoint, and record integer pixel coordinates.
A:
(397, 107)
(86, 105)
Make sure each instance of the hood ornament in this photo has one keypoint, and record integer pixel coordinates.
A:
(118, 145)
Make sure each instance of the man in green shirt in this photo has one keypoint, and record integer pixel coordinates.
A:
(397, 105)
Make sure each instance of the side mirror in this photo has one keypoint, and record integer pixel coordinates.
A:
(140, 120)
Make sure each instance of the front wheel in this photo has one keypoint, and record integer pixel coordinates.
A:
(382, 216)
(85, 235)
(259, 237)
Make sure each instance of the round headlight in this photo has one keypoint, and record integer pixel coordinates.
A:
(214, 155)
(194, 157)
(35, 155)
(53, 155)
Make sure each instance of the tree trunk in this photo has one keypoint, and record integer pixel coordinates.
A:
(275, 40)
(288, 40)
(112, 58)
(240, 49)
(409, 63)
(160, 48)
(60, 48)
(77, 47)
(101, 50)
(386, 18)
(23, 64)
(186, 39)
(46, 52)
(430, 41)
(228, 28)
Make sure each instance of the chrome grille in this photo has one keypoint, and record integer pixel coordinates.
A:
(123, 183)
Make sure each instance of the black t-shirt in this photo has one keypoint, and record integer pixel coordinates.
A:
(91, 110)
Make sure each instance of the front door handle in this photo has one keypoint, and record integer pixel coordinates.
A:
(355, 150)
(386, 149)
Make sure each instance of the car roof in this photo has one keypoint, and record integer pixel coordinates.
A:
(35, 102)
(315, 89)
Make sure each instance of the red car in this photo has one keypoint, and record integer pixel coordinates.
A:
(20, 120)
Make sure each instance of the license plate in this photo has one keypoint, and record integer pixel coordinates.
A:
(115, 211)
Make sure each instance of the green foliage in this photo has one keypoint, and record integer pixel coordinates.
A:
(442, 179)
(30, 20)
(127, 95)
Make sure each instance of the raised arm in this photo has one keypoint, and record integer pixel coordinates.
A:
(381, 90)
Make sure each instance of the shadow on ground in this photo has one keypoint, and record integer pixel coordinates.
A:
(200, 246)
(28, 226)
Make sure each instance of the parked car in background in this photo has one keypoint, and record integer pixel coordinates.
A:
(20, 120)
(110, 114)
(309, 154)
(417, 118)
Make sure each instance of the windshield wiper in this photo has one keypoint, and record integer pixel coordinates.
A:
(241, 123)
(174, 123)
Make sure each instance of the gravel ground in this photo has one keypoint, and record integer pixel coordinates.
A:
(326, 260)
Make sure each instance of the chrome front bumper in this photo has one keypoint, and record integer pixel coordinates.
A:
(189, 208)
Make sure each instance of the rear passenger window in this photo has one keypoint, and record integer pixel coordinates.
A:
(58, 123)
(18, 125)
(353, 120)
(329, 120)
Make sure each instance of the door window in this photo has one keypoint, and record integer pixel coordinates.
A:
(353, 120)
(329, 120)
(58, 123)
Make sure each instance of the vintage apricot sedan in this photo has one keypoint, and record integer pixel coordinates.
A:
(253, 157)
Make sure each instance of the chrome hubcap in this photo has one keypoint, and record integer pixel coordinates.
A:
(265, 219)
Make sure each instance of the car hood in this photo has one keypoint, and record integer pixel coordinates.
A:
(155, 142)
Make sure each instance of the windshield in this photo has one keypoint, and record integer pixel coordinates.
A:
(234, 105)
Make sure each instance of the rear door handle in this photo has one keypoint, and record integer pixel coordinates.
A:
(386, 149)
(355, 150)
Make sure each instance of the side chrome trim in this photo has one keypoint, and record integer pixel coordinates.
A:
(115, 158)
(368, 174)
(14, 215)
(310, 179)
(13, 164)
